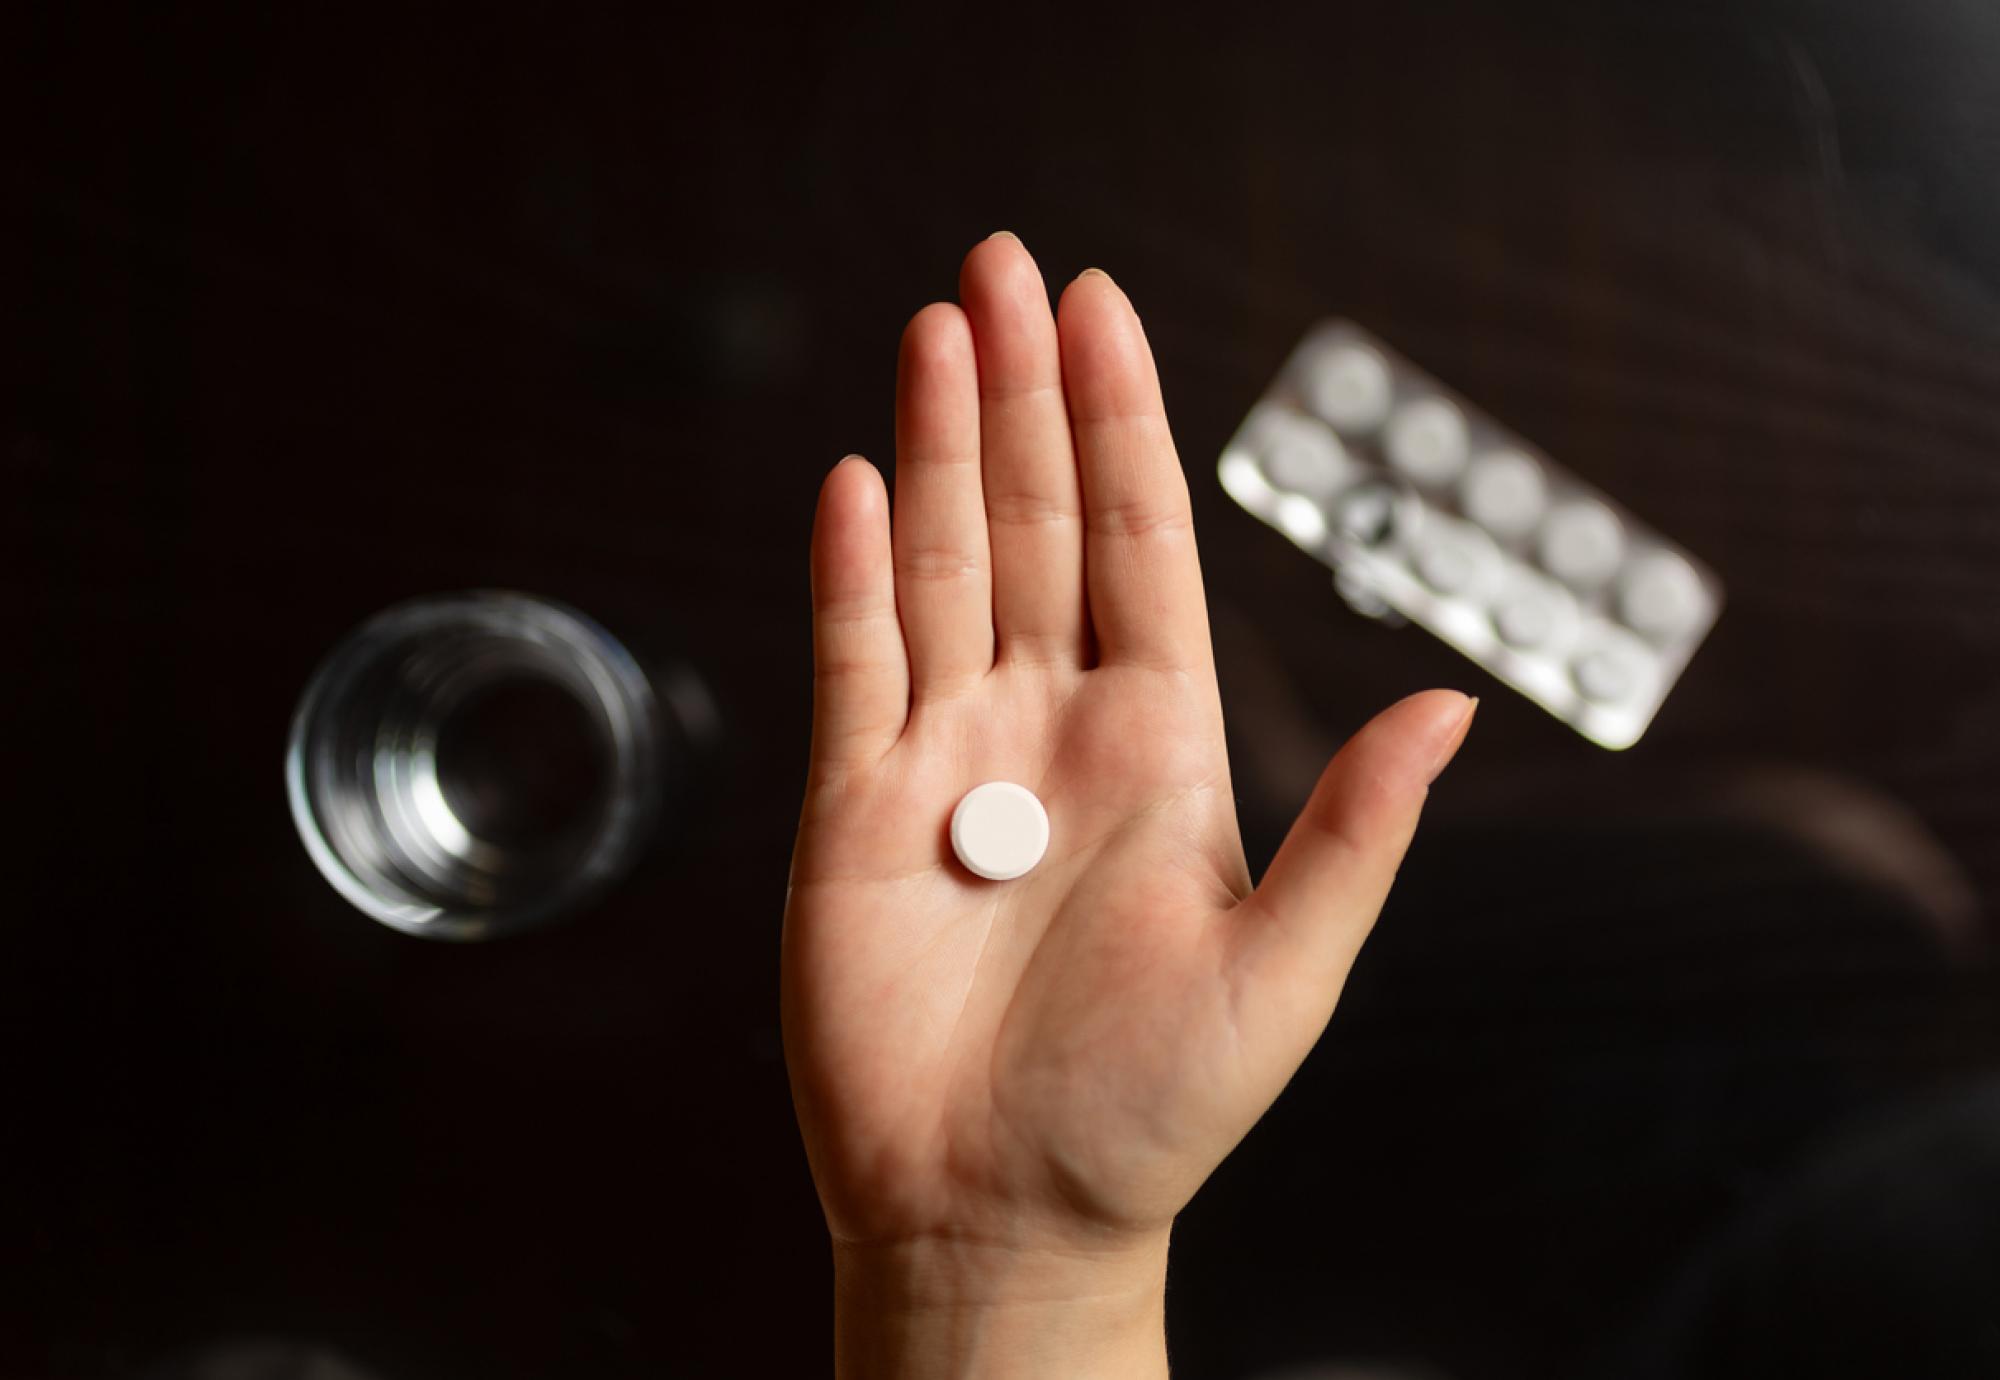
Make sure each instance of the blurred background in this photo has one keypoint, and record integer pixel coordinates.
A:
(1666, 1062)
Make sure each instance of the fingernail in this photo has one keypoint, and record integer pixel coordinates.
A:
(1098, 272)
(1457, 739)
(1004, 235)
(851, 455)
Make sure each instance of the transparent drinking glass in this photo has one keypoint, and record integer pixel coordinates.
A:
(469, 765)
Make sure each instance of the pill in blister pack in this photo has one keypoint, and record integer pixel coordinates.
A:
(1431, 508)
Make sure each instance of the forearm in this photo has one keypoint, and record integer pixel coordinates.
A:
(942, 1308)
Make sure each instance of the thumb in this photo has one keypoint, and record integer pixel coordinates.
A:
(1306, 921)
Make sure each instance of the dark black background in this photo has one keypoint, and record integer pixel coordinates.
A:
(313, 310)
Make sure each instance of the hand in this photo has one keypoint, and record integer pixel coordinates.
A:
(1009, 1089)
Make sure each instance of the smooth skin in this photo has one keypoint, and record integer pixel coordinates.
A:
(1009, 1089)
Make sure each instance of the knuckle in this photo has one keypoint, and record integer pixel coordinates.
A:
(937, 564)
(1140, 517)
(1028, 508)
(1010, 396)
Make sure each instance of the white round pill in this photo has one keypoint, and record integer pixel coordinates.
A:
(1661, 596)
(1525, 621)
(1457, 558)
(1583, 543)
(1349, 385)
(1427, 440)
(999, 831)
(1614, 668)
(1504, 492)
(1306, 458)
(1535, 615)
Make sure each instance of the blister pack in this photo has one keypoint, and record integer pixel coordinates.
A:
(1424, 504)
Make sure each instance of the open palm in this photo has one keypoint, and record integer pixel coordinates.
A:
(1066, 1056)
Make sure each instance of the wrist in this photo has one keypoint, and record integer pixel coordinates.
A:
(952, 1306)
